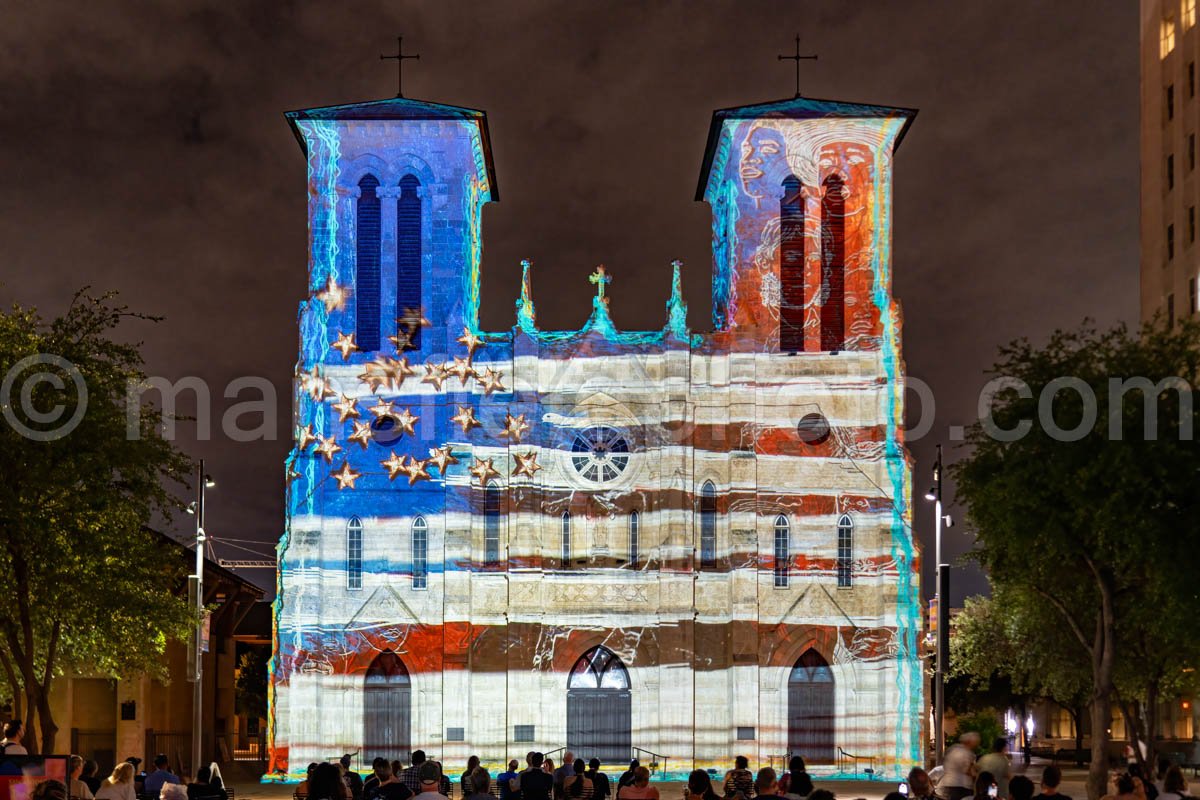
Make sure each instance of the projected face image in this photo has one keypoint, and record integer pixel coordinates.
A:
(764, 164)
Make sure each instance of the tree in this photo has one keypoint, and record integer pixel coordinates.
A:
(251, 683)
(1077, 506)
(89, 584)
(1016, 637)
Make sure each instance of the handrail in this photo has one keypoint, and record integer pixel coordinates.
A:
(653, 766)
(851, 760)
(552, 752)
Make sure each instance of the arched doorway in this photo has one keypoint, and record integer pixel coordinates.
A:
(811, 709)
(599, 708)
(387, 709)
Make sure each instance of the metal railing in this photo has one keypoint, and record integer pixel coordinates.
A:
(848, 762)
(655, 765)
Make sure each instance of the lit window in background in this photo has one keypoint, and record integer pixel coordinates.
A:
(1166, 41)
(1189, 14)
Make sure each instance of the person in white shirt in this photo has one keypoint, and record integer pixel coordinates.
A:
(119, 785)
(958, 768)
(78, 789)
(14, 731)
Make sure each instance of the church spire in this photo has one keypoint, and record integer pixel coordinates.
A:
(676, 307)
(526, 316)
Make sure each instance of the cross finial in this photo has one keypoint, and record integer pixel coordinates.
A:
(600, 278)
(798, 58)
(400, 56)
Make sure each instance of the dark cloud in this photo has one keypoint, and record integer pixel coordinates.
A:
(145, 150)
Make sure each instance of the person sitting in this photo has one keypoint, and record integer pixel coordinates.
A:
(600, 788)
(1051, 778)
(641, 788)
(89, 777)
(504, 780)
(577, 785)
(352, 779)
(155, 780)
(49, 790)
(800, 786)
(983, 786)
(699, 786)
(1020, 788)
(119, 785)
(920, 787)
(173, 791)
(76, 787)
(325, 783)
(1174, 786)
(534, 783)
(478, 785)
(387, 784)
(464, 780)
(626, 778)
(202, 788)
(739, 781)
(431, 780)
(765, 783)
(411, 776)
(795, 767)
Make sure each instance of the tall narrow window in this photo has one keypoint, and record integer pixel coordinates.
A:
(408, 250)
(366, 279)
(354, 545)
(708, 524)
(845, 551)
(566, 540)
(1166, 37)
(791, 267)
(634, 521)
(420, 553)
(833, 265)
(491, 520)
(783, 551)
(1189, 14)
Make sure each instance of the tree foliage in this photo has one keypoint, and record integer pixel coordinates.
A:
(251, 684)
(1094, 521)
(90, 585)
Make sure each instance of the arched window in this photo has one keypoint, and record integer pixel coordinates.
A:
(833, 265)
(783, 551)
(791, 267)
(708, 524)
(845, 550)
(366, 279)
(354, 552)
(408, 250)
(491, 518)
(634, 521)
(420, 553)
(566, 540)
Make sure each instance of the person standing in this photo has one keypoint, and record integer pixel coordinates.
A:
(535, 783)
(997, 763)
(478, 785)
(1051, 778)
(14, 732)
(577, 785)
(699, 787)
(765, 783)
(739, 781)
(353, 780)
(562, 773)
(795, 767)
(958, 768)
(465, 780)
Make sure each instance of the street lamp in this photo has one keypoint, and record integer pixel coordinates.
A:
(942, 599)
(196, 508)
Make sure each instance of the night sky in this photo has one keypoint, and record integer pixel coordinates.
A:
(145, 150)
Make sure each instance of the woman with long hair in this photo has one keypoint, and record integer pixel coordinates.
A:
(579, 785)
(118, 785)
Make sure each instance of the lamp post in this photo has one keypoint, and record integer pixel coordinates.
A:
(196, 587)
(942, 598)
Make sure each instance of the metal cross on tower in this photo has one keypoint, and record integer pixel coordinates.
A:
(600, 278)
(798, 58)
(399, 57)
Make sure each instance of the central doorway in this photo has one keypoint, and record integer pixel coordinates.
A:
(811, 709)
(599, 708)
(387, 710)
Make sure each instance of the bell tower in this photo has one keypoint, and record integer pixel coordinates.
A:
(800, 191)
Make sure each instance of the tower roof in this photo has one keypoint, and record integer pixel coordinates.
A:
(402, 108)
(795, 108)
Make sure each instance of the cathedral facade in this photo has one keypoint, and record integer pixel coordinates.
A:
(664, 544)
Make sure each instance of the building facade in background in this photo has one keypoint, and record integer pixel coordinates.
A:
(1170, 125)
(664, 544)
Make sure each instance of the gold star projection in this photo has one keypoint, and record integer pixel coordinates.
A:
(387, 374)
